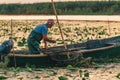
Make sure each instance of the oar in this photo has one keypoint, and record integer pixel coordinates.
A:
(60, 28)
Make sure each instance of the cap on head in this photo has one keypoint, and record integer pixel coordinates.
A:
(50, 21)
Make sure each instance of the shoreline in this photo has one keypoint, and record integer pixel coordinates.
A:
(62, 17)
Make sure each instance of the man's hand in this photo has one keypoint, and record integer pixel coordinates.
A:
(53, 41)
(46, 47)
(47, 39)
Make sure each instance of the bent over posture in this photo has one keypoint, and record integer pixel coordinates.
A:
(38, 33)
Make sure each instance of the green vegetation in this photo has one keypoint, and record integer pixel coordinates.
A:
(62, 78)
(70, 67)
(73, 32)
(3, 77)
(118, 76)
(64, 8)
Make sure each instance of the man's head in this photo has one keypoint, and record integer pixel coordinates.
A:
(50, 23)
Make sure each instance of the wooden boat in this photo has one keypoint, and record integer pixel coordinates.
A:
(109, 47)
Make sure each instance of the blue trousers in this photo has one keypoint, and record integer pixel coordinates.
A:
(33, 42)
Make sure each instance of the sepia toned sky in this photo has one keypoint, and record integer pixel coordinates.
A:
(37, 1)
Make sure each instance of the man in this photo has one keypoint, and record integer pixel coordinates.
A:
(39, 33)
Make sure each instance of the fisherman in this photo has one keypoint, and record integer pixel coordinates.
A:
(5, 49)
(37, 34)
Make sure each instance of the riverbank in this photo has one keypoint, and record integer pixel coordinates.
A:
(62, 17)
(109, 71)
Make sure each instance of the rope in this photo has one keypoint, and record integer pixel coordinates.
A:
(62, 59)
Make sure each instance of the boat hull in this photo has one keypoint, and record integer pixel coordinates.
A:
(46, 61)
(109, 47)
(38, 61)
(110, 52)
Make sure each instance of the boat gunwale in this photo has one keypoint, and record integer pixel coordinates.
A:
(97, 49)
(27, 55)
(45, 55)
